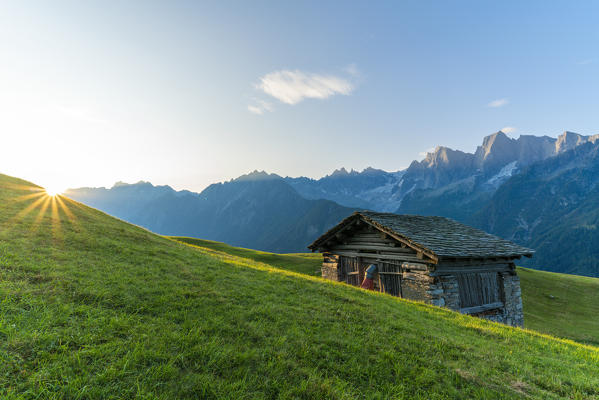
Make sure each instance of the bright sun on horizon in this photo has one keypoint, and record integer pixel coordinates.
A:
(53, 191)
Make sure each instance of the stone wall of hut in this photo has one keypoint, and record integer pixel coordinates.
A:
(513, 300)
(330, 267)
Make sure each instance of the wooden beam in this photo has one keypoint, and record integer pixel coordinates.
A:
(368, 235)
(478, 309)
(367, 242)
(354, 246)
(395, 257)
(474, 260)
(442, 270)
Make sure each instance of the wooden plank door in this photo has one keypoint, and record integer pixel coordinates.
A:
(390, 278)
(351, 270)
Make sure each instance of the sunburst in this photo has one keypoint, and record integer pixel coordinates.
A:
(53, 191)
(49, 203)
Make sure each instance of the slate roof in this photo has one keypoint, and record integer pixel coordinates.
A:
(442, 236)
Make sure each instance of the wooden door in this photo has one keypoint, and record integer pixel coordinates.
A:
(352, 273)
(390, 278)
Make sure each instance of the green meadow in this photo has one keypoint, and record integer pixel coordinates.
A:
(94, 308)
(304, 263)
(558, 304)
(561, 305)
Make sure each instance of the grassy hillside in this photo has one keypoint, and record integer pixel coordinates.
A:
(91, 307)
(558, 304)
(304, 263)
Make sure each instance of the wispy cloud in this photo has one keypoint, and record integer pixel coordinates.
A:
(509, 129)
(352, 69)
(292, 87)
(427, 151)
(255, 110)
(498, 103)
(585, 62)
(260, 107)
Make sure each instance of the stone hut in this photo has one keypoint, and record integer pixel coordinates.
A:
(433, 259)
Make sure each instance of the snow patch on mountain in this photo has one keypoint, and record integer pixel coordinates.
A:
(503, 174)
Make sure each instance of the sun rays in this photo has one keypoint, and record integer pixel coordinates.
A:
(38, 207)
(53, 191)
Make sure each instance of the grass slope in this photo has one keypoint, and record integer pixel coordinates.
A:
(92, 307)
(562, 305)
(304, 263)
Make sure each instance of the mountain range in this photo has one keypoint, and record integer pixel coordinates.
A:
(258, 211)
(540, 192)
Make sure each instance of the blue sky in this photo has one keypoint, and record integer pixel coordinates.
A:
(191, 93)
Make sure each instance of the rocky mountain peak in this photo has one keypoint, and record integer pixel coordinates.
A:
(139, 184)
(343, 173)
(495, 146)
(257, 176)
(120, 183)
(443, 156)
(340, 172)
(372, 171)
(568, 140)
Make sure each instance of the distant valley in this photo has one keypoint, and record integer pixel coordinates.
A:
(541, 192)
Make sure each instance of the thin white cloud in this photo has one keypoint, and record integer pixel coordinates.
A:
(292, 87)
(509, 129)
(256, 110)
(260, 107)
(498, 103)
(427, 151)
(585, 62)
(352, 69)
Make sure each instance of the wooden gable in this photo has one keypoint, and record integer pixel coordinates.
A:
(359, 238)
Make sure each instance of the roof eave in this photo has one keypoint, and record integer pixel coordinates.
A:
(325, 236)
(487, 256)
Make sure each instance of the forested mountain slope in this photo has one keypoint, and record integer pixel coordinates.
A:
(552, 206)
